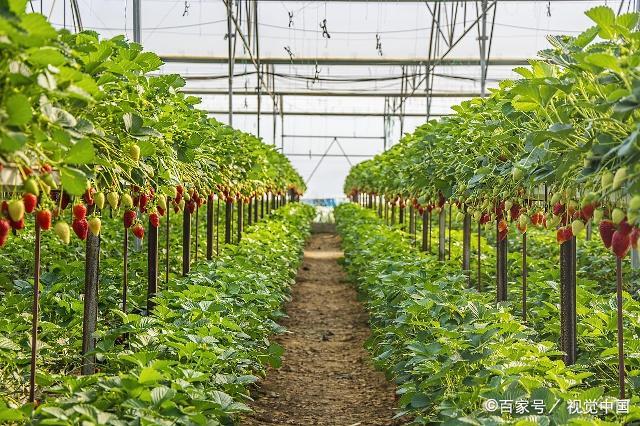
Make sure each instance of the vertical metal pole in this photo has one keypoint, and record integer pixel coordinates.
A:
(258, 65)
(380, 206)
(466, 246)
(401, 216)
(218, 226)
(210, 227)
(90, 316)
(501, 266)
(568, 338)
(228, 217)
(425, 229)
(166, 243)
(125, 269)
(152, 266)
(240, 220)
(231, 55)
(250, 212)
(137, 21)
(275, 106)
(441, 234)
(621, 372)
(483, 50)
(412, 224)
(281, 123)
(35, 316)
(262, 206)
(393, 213)
(255, 208)
(524, 277)
(449, 255)
(429, 231)
(186, 241)
(479, 261)
(195, 230)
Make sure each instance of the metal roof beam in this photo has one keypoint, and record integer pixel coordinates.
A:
(328, 114)
(373, 94)
(381, 61)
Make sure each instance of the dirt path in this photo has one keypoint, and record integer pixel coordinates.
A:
(326, 377)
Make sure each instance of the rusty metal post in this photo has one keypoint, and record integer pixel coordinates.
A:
(568, 337)
(166, 242)
(621, 371)
(501, 266)
(425, 230)
(240, 219)
(35, 316)
(125, 269)
(195, 230)
(479, 257)
(466, 246)
(255, 209)
(525, 272)
(90, 315)
(210, 227)
(449, 255)
(441, 234)
(228, 216)
(152, 266)
(186, 241)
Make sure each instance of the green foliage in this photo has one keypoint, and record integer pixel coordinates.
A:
(571, 117)
(449, 347)
(190, 362)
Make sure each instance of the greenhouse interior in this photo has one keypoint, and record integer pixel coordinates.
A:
(328, 212)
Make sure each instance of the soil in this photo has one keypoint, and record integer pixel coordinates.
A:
(326, 376)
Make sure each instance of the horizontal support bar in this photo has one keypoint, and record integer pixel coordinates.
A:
(327, 114)
(332, 137)
(415, 94)
(290, 154)
(344, 61)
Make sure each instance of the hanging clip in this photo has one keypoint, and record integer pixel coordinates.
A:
(325, 33)
(186, 8)
(290, 19)
(378, 45)
(549, 9)
(288, 50)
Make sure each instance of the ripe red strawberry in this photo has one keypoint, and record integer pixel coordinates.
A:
(144, 199)
(161, 211)
(587, 211)
(18, 224)
(537, 218)
(620, 243)
(191, 205)
(154, 219)
(624, 227)
(558, 209)
(485, 218)
(43, 218)
(503, 225)
(564, 234)
(503, 234)
(5, 208)
(138, 230)
(180, 189)
(129, 218)
(607, 228)
(176, 208)
(5, 226)
(441, 200)
(79, 212)
(30, 202)
(81, 228)
(515, 211)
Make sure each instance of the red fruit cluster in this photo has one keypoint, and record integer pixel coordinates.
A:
(43, 219)
(564, 234)
(538, 219)
(619, 238)
(5, 227)
(485, 218)
(79, 212)
(30, 202)
(129, 218)
(88, 196)
(154, 219)
(138, 230)
(80, 226)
